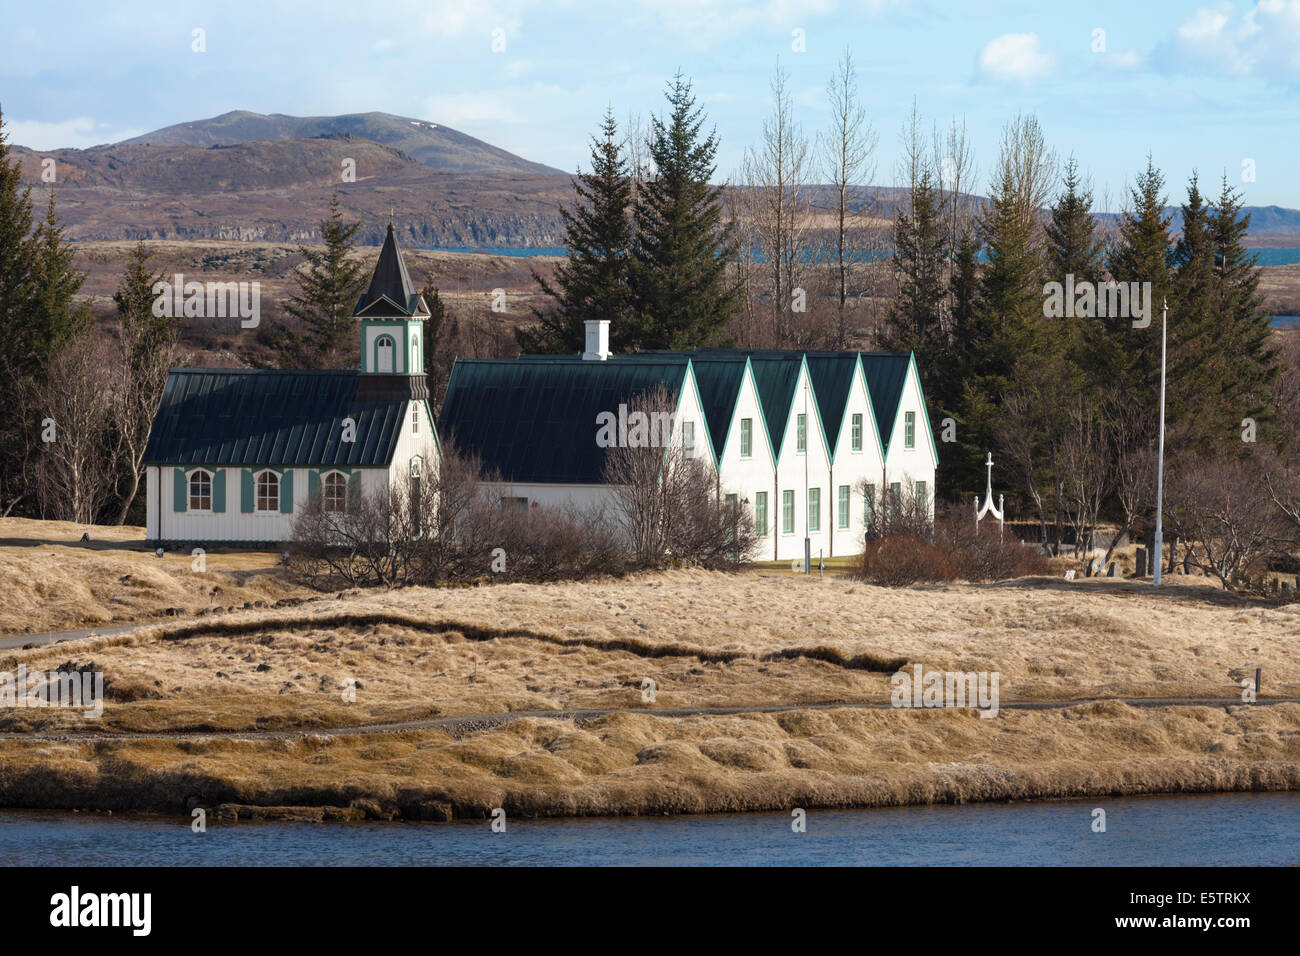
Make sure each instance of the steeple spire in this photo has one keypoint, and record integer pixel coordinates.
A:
(390, 280)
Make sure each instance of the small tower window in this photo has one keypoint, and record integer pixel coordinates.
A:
(415, 419)
(384, 354)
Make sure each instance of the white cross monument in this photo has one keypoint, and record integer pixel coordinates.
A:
(988, 508)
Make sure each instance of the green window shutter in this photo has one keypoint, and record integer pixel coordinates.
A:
(286, 492)
(354, 491)
(246, 491)
(180, 490)
(219, 490)
(313, 485)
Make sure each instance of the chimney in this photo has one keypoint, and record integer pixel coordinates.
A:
(597, 340)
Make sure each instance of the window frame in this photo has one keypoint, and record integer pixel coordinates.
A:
(909, 429)
(276, 479)
(688, 448)
(760, 513)
(787, 511)
(845, 495)
(801, 433)
(814, 513)
(333, 478)
(190, 480)
(855, 436)
(746, 437)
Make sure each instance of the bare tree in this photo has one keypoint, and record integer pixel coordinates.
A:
(1225, 514)
(1132, 434)
(774, 176)
(1086, 468)
(668, 505)
(847, 152)
(75, 462)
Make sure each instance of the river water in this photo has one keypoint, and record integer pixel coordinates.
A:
(1212, 830)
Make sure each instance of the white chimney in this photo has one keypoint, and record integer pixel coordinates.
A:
(597, 340)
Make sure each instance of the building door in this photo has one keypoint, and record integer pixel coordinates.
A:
(384, 359)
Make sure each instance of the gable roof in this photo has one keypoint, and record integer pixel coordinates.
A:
(718, 380)
(886, 373)
(391, 291)
(832, 377)
(535, 421)
(285, 418)
(775, 376)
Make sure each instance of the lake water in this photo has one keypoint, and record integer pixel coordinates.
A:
(1267, 257)
(1211, 830)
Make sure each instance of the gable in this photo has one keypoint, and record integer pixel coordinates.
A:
(832, 377)
(886, 373)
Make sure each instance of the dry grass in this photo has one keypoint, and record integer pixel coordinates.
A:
(707, 640)
(52, 581)
(638, 763)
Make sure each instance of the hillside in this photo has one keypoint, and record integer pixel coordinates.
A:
(279, 191)
(434, 145)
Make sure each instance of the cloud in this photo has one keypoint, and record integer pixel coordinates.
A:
(1263, 41)
(1014, 58)
(75, 133)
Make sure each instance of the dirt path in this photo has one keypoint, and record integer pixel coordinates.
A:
(472, 723)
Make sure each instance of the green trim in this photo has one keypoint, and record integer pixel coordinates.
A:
(871, 407)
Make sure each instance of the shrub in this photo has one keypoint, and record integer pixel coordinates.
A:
(900, 560)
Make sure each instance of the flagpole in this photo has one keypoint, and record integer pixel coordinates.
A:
(1160, 465)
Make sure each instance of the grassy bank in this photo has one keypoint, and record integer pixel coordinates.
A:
(706, 640)
(637, 763)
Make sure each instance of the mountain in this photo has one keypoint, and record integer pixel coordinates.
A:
(436, 146)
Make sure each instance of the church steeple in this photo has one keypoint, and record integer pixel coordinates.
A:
(392, 318)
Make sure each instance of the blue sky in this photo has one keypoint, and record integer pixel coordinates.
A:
(1198, 85)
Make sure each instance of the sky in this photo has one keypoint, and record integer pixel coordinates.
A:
(1207, 87)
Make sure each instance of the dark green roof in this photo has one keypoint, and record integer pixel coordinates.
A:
(832, 377)
(535, 421)
(886, 373)
(775, 377)
(229, 417)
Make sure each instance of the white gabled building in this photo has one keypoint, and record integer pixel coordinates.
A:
(911, 457)
(235, 454)
(812, 444)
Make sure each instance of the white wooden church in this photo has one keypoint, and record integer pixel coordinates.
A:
(811, 443)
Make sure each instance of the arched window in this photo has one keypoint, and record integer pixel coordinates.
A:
(334, 489)
(384, 349)
(268, 491)
(200, 490)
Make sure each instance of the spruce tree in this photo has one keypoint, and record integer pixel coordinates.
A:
(1074, 249)
(593, 282)
(17, 292)
(1197, 391)
(56, 315)
(328, 288)
(1244, 326)
(438, 335)
(1126, 357)
(682, 245)
(920, 268)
